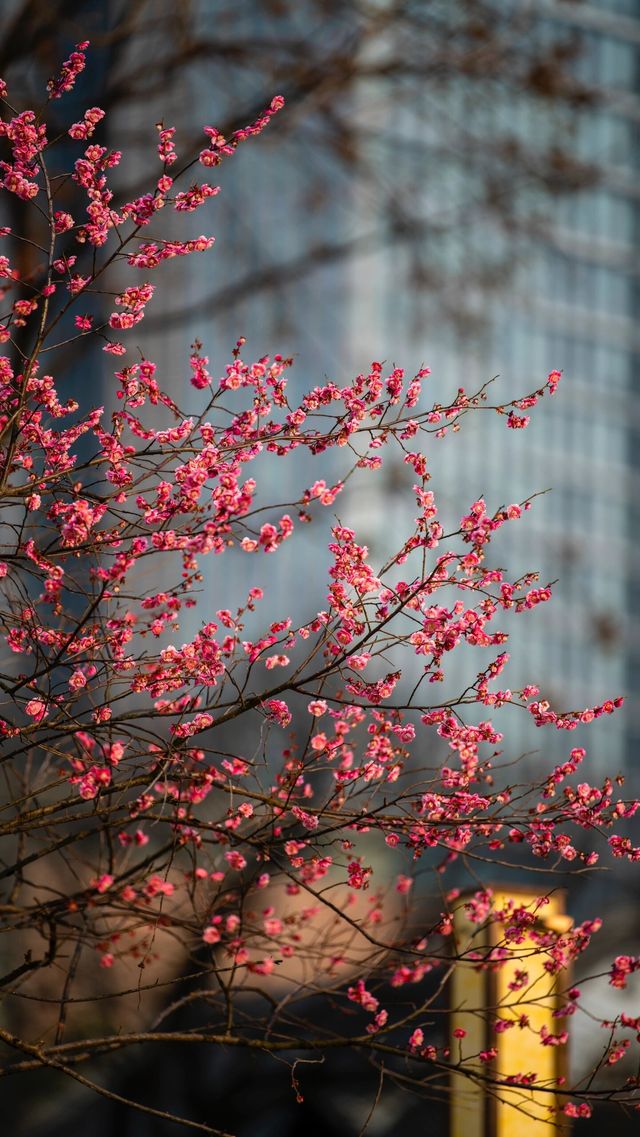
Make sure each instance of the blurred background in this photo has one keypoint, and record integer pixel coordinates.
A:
(452, 185)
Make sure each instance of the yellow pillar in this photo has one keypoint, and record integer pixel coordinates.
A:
(483, 992)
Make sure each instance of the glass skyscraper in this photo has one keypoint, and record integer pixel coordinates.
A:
(559, 289)
(571, 302)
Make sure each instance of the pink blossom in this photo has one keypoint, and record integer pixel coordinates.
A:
(103, 883)
(36, 709)
(404, 884)
(317, 707)
(211, 935)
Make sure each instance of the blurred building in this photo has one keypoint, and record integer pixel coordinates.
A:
(570, 302)
(438, 275)
(407, 266)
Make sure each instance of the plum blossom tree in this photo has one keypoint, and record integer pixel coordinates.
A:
(236, 829)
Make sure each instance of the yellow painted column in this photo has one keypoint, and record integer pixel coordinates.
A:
(518, 990)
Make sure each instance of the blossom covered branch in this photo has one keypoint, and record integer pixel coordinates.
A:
(244, 816)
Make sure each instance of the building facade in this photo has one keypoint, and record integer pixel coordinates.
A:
(570, 302)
